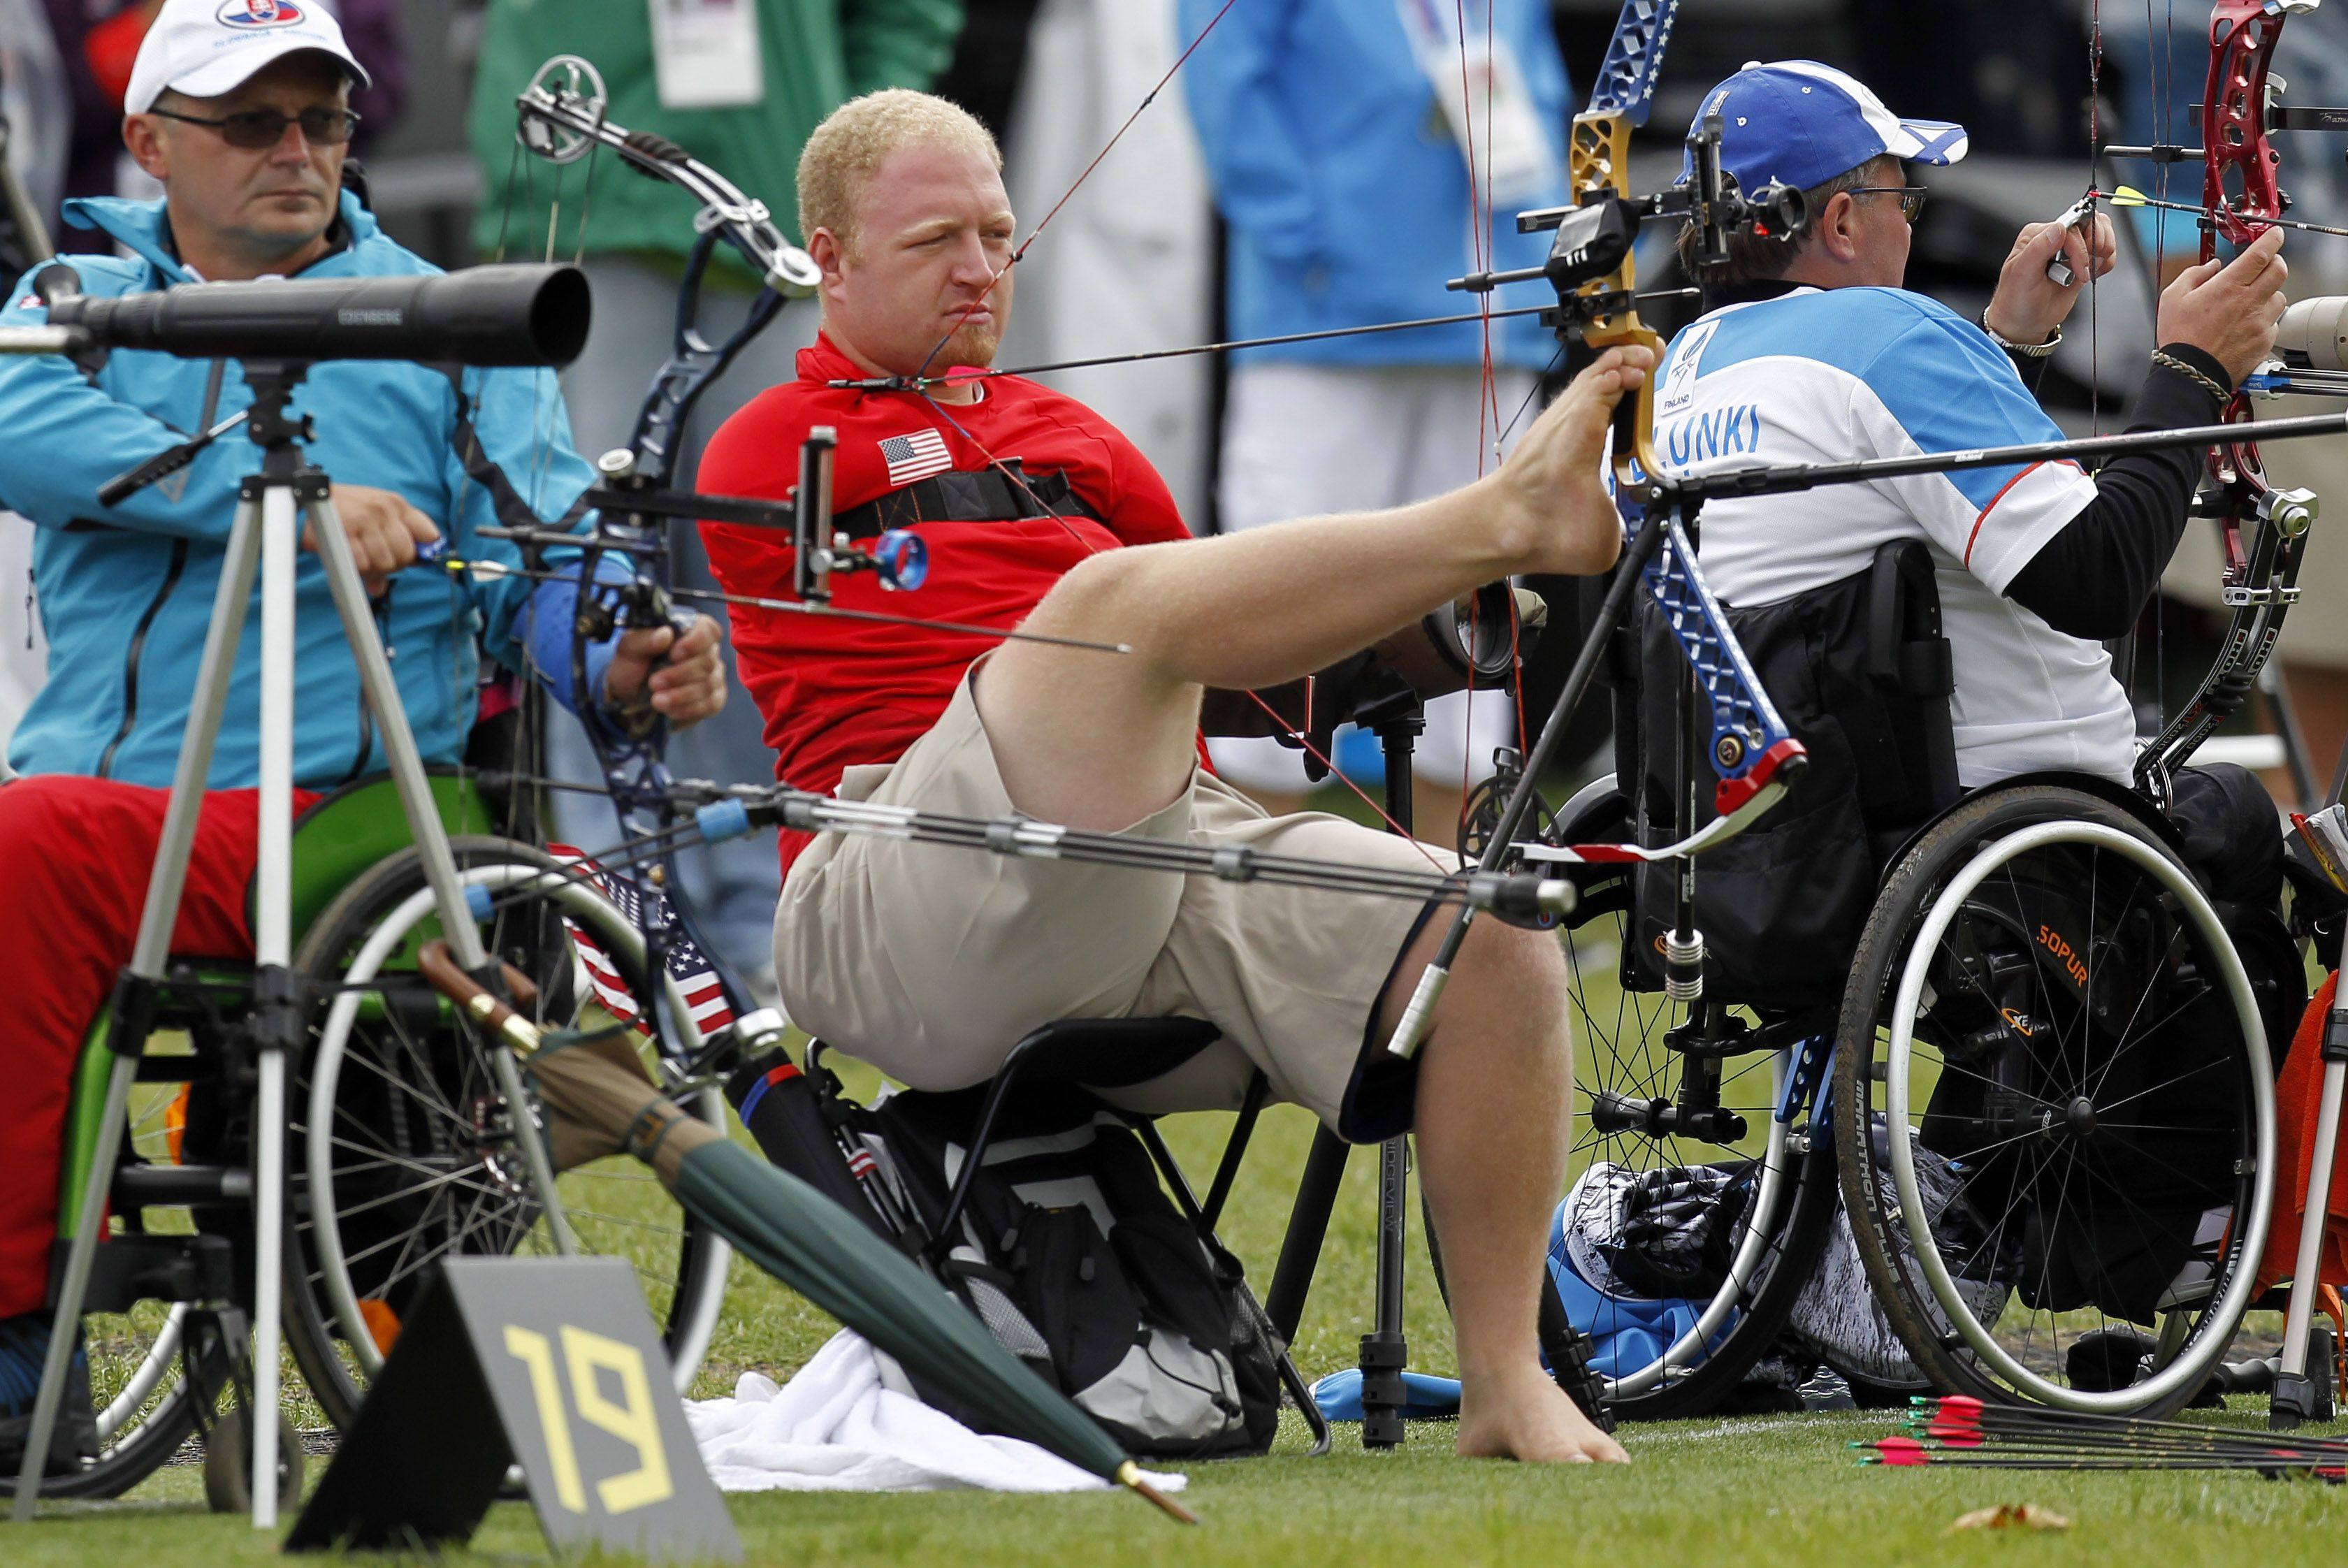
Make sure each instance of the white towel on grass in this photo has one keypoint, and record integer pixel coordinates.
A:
(847, 1422)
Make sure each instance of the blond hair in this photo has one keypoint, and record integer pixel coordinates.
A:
(848, 148)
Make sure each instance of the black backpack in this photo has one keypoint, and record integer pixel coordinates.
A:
(1066, 1248)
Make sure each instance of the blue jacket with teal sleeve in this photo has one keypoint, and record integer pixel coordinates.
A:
(1345, 191)
(126, 593)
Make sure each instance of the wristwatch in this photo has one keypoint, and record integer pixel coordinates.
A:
(2027, 350)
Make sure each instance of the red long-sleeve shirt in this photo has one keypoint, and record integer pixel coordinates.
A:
(837, 693)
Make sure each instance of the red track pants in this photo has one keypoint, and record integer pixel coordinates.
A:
(74, 857)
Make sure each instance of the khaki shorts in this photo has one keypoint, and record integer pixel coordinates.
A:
(930, 962)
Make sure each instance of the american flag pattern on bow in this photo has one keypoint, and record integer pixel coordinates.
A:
(696, 975)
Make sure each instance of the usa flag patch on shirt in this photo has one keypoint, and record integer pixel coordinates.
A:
(915, 457)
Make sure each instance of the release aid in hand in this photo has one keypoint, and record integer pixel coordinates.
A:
(2058, 271)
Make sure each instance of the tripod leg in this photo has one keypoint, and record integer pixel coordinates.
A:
(277, 1010)
(2295, 1397)
(1386, 1352)
(423, 814)
(132, 1004)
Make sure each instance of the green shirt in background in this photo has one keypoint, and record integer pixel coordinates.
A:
(816, 55)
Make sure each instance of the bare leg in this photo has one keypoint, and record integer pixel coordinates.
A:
(1495, 1104)
(1435, 809)
(1098, 741)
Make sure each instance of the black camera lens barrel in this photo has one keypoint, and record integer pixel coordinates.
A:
(512, 314)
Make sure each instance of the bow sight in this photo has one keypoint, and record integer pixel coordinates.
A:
(1594, 238)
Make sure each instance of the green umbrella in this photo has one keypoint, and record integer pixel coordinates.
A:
(601, 1102)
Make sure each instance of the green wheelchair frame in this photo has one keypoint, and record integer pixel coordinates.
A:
(339, 840)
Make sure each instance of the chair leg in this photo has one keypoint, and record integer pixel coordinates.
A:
(1308, 1228)
(1301, 1392)
(981, 1139)
(1290, 1379)
(1218, 1191)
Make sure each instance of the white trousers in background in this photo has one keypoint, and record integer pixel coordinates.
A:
(1302, 441)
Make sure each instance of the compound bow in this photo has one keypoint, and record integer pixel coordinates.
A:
(2242, 198)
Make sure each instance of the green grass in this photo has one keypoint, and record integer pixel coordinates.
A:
(1746, 1491)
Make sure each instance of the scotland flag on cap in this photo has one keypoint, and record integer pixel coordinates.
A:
(1802, 123)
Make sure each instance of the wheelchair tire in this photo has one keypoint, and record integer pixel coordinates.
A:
(228, 1462)
(1619, 1051)
(402, 1134)
(2037, 961)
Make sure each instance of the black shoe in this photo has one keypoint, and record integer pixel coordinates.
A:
(2105, 1360)
(23, 1348)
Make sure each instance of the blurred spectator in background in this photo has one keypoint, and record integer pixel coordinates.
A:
(1130, 260)
(990, 61)
(738, 84)
(1337, 134)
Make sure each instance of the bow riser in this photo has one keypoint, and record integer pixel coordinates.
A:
(1749, 742)
(1598, 168)
(2239, 188)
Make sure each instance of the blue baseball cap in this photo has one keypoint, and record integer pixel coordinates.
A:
(1802, 123)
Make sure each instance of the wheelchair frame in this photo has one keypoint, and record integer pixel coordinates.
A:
(342, 843)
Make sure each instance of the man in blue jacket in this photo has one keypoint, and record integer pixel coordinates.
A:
(240, 109)
(1340, 136)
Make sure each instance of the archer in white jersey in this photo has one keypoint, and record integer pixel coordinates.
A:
(1819, 355)
(1827, 376)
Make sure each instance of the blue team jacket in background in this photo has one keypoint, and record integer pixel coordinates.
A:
(126, 593)
(1345, 191)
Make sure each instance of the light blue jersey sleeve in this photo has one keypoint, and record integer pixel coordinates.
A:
(1953, 389)
(1940, 385)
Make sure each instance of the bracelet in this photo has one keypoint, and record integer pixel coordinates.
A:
(2170, 362)
(2027, 350)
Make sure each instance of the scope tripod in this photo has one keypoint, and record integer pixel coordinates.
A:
(271, 507)
(1395, 713)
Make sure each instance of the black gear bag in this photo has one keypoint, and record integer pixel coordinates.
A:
(1064, 1245)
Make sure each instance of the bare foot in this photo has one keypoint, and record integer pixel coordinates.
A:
(1552, 488)
(1531, 1420)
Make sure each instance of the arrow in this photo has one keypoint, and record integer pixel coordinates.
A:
(2129, 196)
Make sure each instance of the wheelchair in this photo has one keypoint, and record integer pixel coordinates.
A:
(1995, 1057)
(400, 1151)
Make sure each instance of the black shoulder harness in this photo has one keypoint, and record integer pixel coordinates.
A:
(976, 495)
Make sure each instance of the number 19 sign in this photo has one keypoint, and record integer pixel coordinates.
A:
(551, 1363)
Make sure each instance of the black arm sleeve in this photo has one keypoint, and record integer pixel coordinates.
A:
(2093, 579)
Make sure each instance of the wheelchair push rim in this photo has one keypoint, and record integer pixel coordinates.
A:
(2183, 1373)
(705, 1257)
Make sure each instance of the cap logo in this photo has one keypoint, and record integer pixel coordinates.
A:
(259, 14)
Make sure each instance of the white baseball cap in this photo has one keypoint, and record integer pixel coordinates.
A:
(207, 48)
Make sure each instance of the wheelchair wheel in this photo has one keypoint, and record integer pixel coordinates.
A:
(2053, 1108)
(1678, 1325)
(158, 1372)
(408, 1147)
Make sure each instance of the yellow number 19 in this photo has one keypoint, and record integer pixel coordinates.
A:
(632, 1419)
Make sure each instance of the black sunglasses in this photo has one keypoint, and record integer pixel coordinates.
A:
(1912, 197)
(256, 130)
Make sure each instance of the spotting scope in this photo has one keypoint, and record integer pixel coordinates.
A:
(2313, 333)
(492, 316)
